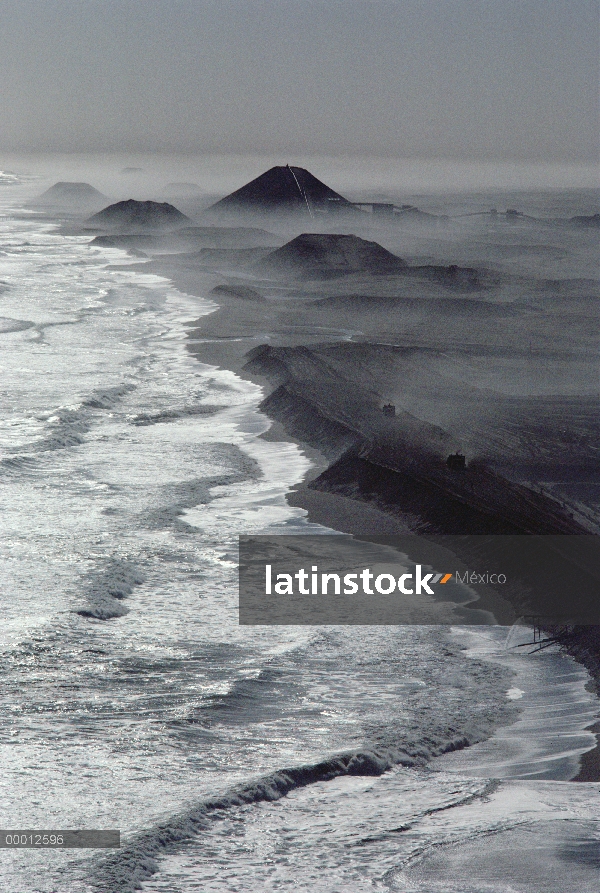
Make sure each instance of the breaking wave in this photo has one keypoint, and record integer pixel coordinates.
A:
(172, 415)
(137, 861)
(104, 590)
(13, 325)
(68, 427)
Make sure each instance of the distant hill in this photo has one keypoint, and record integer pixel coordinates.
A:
(68, 196)
(592, 220)
(133, 215)
(319, 254)
(282, 189)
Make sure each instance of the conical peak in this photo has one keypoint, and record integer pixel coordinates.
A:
(284, 188)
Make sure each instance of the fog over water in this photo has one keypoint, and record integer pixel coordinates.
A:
(208, 177)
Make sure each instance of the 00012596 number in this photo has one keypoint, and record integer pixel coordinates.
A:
(32, 839)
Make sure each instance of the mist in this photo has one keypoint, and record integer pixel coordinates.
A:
(513, 81)
(389, 327)
(159, 175)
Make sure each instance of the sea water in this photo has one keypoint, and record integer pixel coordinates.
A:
(230, 758)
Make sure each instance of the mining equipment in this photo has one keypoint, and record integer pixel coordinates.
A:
(456, 462)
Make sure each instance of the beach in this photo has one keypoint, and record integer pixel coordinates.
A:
(151, 441)
(299, 447)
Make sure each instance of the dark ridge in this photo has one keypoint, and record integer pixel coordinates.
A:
(409, 212)
(460, 278)
(268, 361)
(284, 189)
(298, 364)
(186, 238)
(479, 501)
(229, 236)
(304, 420)
(143, 215)
(131, 240)
(440, 306)
(237, 291)
(225, 259)
(396, 465)
(592, 220)
(326, 255)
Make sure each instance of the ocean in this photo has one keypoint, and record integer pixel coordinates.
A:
(231, 758)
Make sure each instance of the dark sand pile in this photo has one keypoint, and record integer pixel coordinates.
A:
(591, 220)
(284, 189)
(78, 198)
(323, 254)
(134, 215)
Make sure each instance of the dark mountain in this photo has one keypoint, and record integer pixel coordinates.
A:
(67, 196)
(134, 215)
(320, 254)
(284, 189)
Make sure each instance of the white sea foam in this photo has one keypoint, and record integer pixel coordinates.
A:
(133, 698)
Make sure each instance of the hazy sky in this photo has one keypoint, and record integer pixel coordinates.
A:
(455, 79)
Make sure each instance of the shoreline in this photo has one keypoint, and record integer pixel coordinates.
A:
(229, 349)
(589, 765)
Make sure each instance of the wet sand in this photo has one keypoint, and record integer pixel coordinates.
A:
(590, 761)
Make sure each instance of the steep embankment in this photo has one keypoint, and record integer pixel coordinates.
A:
(392, 468)
(397, 463)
